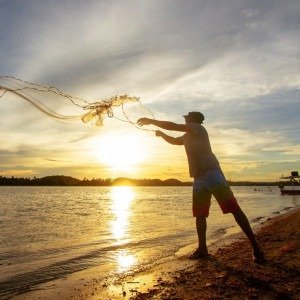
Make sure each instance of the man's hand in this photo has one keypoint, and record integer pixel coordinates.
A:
(144, 121)
(158, 133)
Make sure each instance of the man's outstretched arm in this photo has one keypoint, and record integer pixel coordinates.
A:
(163, 124)
(169, 139)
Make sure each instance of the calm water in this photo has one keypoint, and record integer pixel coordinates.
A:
(52, 232)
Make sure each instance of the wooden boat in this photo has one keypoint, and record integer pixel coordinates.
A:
(293, 188)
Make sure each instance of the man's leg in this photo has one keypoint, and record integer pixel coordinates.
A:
(201, 204)
(201, 251)
(243, 222)
(228, 204)
(201, 231)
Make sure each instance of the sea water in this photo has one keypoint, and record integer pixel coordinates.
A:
(49, 233)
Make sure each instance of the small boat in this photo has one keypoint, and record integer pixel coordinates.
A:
(293, 188)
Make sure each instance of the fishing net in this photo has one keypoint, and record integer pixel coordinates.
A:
(37, 95)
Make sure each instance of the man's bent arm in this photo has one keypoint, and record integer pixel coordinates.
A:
(169, 139)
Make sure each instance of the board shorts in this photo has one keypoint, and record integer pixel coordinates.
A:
(212, 183)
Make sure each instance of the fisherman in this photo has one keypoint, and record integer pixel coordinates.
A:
(208, 179)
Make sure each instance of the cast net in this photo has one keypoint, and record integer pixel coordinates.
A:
(41, 97)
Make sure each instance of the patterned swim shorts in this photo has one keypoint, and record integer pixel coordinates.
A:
(212, 183)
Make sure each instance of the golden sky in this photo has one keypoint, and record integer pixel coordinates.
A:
(238, 64)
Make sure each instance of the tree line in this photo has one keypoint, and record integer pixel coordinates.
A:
(61, 180)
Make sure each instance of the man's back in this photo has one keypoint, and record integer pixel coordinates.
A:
(197, 146)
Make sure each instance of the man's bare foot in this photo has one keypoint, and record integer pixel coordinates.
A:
(198, 254)
(258, 256)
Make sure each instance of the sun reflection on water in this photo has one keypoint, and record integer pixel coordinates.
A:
(125, 260)
(122, 197)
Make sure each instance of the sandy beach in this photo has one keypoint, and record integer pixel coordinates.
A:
(229, 273)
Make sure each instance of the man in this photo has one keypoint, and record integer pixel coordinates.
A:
(208, 179)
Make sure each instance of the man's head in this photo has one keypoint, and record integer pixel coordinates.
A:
(194, 117)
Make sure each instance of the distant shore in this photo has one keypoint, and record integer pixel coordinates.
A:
(61, 180)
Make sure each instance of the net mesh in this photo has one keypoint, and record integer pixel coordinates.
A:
(93, 112)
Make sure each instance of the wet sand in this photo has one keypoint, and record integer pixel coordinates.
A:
(229, 273)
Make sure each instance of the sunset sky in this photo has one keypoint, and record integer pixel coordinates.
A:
(238, 62)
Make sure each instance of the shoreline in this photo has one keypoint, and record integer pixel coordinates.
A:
(229, 273)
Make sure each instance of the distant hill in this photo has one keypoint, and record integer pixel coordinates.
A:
(149, 182)
(61, 180)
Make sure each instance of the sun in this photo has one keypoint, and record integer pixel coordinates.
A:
(120, 152)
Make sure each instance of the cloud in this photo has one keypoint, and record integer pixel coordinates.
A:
(163, 48)
(238, 63)
(256, 170)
